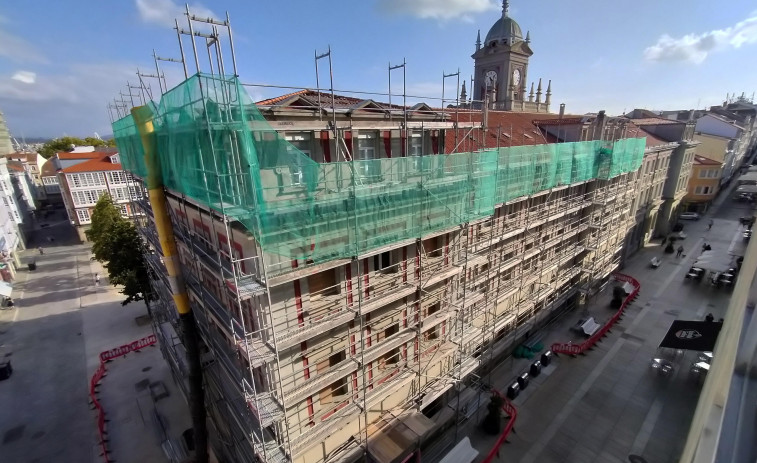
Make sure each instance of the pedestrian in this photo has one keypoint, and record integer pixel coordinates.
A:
(97, 279)
(709, 318)
(679, 251)
(709, 225)
(41, 251)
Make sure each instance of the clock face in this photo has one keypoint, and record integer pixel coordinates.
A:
(491, 77)
(516, 77)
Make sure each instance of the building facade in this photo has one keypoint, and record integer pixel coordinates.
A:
(679, 170)
(85, 177)
(704, 184)
(318, 345)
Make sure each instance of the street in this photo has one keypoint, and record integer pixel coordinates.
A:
(608, 404)
(61, 322)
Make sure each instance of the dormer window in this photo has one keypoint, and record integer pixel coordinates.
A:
(115, 159)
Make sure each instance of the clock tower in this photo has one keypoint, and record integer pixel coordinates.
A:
(501, 68)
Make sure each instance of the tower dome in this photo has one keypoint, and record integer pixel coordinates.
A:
(505, 29)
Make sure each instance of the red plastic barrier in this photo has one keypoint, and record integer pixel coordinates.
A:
(98, 376)
(508, 408)
(574, 349)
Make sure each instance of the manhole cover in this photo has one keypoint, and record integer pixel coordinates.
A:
(636, 459)
(13, 434)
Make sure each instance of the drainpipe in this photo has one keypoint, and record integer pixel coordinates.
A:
(143, 119)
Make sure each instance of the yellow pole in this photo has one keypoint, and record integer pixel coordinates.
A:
(143, 119)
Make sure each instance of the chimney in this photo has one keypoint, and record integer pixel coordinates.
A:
(562, 110)
(600, 125)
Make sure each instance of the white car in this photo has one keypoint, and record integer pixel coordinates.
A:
(690, 216)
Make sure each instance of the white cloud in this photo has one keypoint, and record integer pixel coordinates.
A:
(17, 49)
(26, 77)
(695, 48)
(438, 9)
(71, 99)
(164, 12)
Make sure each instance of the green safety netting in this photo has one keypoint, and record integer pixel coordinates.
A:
(216, 147)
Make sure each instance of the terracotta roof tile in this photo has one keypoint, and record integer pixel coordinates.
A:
(16, 166)
(48, 169)
(277, 99)
(633, 131)
(99, 164)
(90, 155)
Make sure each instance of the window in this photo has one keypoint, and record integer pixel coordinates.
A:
(83, 215)
(366, 151)
(135, 192)
(333, 392)
(299, 142)
(87, 179)
(115, 159)
(120, 194)
(117, 177)
(703, 190)
(85, 197)
(124, 211)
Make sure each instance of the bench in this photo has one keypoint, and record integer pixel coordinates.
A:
(587, 327)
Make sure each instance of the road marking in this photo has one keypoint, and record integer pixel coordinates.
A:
(550, 432)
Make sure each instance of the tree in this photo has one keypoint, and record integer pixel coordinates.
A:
(117, 244)
(58, 145)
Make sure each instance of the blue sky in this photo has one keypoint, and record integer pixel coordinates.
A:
(62, 61)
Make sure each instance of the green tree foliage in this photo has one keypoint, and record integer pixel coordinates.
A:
(117, 244)
(58, 145)
(493, 419)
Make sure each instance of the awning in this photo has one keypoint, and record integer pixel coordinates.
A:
(5, 289)
(692, 335)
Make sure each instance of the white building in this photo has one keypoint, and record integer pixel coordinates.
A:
(85, 177)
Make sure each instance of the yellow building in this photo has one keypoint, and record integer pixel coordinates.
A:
(703, 183)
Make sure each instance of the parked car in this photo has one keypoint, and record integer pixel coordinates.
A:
(690, 216)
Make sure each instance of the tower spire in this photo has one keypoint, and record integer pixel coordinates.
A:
(463, 93)
(505, 8)
(528, 36)
(478, 40)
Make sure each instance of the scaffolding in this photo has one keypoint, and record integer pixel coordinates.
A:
(444, 257)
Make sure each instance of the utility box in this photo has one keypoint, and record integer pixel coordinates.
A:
(535, 369)
(523, 380)
(513, 390)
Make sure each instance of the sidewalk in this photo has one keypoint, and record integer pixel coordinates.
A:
(605, 405)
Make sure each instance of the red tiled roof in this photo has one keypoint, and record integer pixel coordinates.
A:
(90, 155)
(100, 164)
(632, 131)
(26, 156)
(505, 129)
(48, 169)
(706, 161)
(16, 165)
(277, 99)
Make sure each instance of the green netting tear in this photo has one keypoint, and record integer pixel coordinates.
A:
(216, 147)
